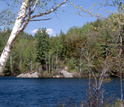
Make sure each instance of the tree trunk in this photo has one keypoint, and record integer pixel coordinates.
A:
(31, 66)
(49, 62)
(57, 60)
(52, 65)
(31, 63)
(14, 34)
(46, 62)
(11, 65)
(80, 63)
(120, 68)
(20, 62)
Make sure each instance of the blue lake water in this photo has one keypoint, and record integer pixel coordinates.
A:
(18, 92)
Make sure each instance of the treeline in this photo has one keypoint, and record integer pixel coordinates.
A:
(94, 47)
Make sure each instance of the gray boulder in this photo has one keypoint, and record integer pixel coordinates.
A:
(66, 74)
(28, 75)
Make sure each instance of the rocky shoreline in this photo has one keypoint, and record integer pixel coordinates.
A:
(63, 74)
(28, 75)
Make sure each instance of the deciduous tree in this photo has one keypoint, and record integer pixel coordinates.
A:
(25, 15)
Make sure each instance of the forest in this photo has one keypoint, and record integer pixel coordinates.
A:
(96, 46)
(94, 51)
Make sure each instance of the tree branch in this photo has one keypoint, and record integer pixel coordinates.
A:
(54, 9)
(41, 19)
(29, 9)
(34, 7)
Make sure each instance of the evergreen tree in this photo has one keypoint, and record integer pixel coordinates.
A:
(42, 45)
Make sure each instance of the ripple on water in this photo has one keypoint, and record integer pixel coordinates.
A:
(17, 92)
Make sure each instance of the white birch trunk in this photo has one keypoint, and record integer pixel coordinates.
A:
(49, 62)
(11, 64)
(14, 34)
(52, 65)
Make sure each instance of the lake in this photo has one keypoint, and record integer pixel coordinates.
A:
(48, 92)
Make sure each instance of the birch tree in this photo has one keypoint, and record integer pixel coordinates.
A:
(26, 14)
(114, 18)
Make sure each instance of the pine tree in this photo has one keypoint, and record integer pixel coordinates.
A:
(42, 45)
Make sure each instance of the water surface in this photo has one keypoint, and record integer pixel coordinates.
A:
(21, 92)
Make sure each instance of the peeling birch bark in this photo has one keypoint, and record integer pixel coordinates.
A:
(14, 34)
(20, 25)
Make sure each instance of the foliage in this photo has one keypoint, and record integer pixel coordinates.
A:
(79, 49)
(42, 45)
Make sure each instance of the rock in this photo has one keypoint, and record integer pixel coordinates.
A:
(66, 74)
(66, 68)
(57, 76)
(28, 75)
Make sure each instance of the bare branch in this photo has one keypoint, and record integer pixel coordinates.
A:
(34, 7)
(29, 10)
(41, 19)
(50, 11)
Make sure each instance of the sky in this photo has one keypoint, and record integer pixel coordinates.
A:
(64, 18)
